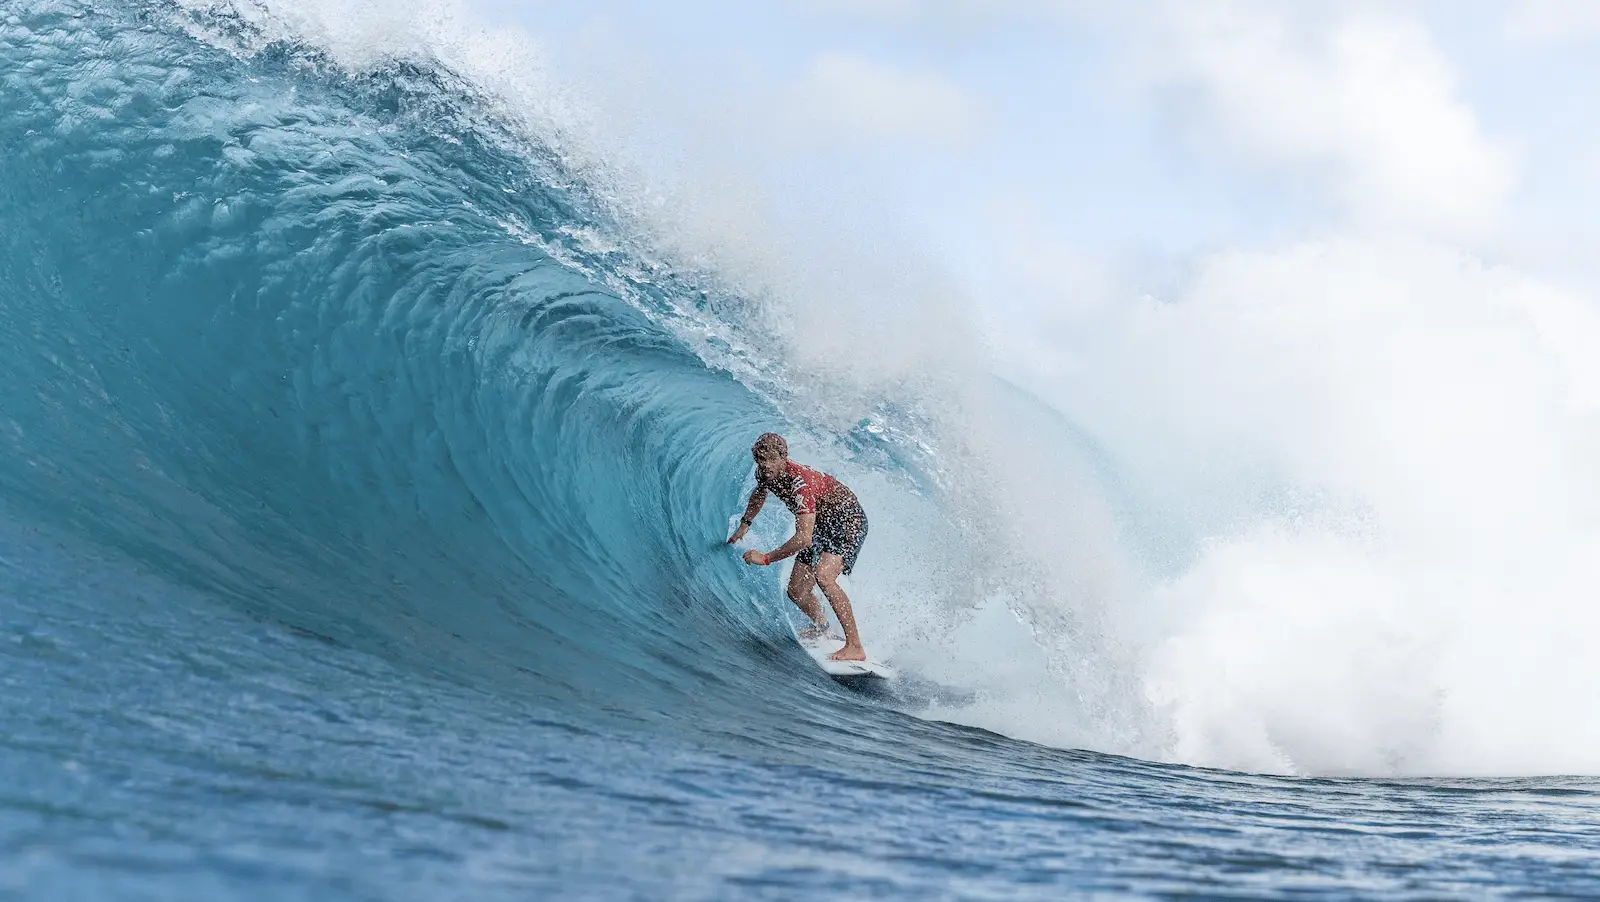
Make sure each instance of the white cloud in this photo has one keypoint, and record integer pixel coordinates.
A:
(852, 98)
(1355, 101)
(1363, 102)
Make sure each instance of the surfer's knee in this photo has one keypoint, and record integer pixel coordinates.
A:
(828, 570)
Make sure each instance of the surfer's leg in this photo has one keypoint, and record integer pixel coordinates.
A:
(829, 566)
(801, 579)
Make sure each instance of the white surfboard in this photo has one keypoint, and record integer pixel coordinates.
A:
(821, 647)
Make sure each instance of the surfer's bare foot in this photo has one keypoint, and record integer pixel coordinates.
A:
(849, 653)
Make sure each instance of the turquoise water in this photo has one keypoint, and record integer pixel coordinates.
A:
(360, 533)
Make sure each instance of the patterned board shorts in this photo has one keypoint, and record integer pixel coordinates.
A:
(841, 533)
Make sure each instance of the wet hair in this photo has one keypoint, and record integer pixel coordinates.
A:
(770, 443)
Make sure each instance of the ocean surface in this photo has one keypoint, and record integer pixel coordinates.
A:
(364, 472)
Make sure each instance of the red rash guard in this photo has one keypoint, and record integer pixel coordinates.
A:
(802, 489)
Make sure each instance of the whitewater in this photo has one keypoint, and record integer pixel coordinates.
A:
(369, 438)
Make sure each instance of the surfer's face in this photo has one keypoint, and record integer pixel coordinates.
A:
(770, 465)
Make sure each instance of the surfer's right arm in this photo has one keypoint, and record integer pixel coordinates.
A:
(751, 508)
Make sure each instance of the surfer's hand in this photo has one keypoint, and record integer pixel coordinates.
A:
(737, 534)
(755, 557)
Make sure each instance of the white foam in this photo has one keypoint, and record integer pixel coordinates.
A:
(1386, 450)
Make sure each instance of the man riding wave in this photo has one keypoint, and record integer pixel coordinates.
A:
(829, 530)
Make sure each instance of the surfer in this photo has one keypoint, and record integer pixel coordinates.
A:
(829, 529)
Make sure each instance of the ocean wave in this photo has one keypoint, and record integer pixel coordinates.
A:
(330, 346)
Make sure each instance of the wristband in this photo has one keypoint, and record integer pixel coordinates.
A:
(766, 559)
(745, 521)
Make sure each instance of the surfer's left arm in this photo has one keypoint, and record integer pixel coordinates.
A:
(804, 524)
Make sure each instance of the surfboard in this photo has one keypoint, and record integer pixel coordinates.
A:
(821, 647)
